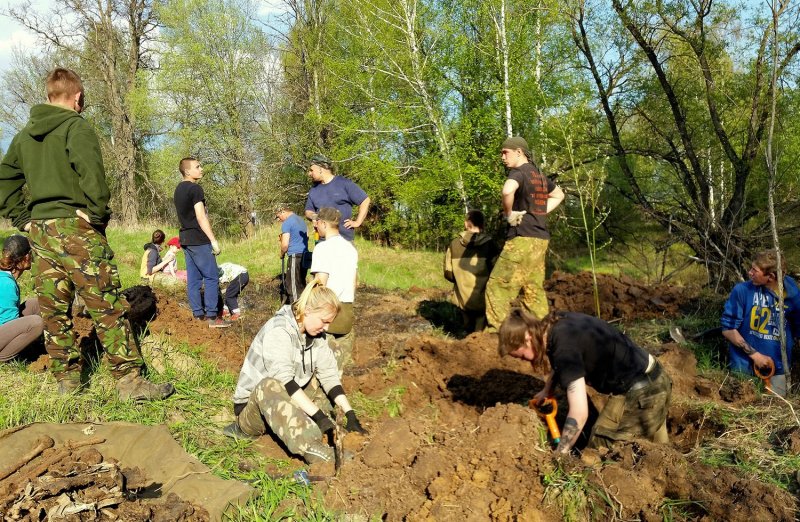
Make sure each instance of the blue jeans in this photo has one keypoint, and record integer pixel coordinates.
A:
(201, 273)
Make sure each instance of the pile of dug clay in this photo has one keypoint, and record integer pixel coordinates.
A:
(74, 482)
(621, 297)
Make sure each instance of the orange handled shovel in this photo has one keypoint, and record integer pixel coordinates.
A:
(547, 410)
(765, 377)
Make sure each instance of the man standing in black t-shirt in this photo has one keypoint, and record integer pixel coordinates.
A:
(199, 245)
(528, 196)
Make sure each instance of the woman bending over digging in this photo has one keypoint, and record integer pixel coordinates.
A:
(20, 325)
(584, 350)
(289, 380)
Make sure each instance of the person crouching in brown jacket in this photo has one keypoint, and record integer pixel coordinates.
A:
(467, 264)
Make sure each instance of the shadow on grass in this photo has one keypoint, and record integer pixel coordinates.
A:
(444, 315)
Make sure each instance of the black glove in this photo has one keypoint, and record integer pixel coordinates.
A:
(352, 423)
(323, 421)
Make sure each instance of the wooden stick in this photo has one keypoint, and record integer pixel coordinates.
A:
(42, 443)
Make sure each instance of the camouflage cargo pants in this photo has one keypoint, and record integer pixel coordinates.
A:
(71, 257)
(640, 413)
(270, 409)
(518, 275)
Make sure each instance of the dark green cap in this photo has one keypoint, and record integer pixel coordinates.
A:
(321, 160)
(516, 142)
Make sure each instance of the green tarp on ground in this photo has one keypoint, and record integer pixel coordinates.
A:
(151, 448)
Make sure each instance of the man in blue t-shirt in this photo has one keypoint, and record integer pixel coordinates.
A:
(750, 321)
(294, 248)
(336, 192)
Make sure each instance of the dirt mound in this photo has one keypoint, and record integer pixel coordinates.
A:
(644, 478)
(620, 297)
(74, 482)
(467, 448)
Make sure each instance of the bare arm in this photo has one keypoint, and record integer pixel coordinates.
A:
(547, 391)
(311, 215)
(576, 416)
(554, 199)
(736, 339)
(363, 208)
(159, 267)
(322, 277)
(509, 188)
(284, 243)
(202, 220)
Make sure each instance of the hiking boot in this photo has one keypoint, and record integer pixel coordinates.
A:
(234, 317)
(233, 431)
(218, 322)
(68, 385)
(135, 387)
(318, 452)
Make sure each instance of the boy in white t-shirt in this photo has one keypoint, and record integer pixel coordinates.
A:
(335, 263)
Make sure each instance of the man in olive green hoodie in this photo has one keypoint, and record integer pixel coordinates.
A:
(57, 156)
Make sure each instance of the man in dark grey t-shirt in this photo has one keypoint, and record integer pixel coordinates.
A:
(528, 196)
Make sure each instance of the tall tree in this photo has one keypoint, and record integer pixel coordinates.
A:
(686, 160)
(214, 76)
(111, 40)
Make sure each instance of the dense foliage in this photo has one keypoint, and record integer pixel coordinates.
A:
(652, 115)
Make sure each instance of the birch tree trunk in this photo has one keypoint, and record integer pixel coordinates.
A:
(776, 8)
(503, 54)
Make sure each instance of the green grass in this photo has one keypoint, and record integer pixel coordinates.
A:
(639, 260)
(201, 406)
(680, 509)
(379, 266)
(194, 415)
(577, 498)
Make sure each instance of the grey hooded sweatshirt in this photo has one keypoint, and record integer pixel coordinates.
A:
(281, 352)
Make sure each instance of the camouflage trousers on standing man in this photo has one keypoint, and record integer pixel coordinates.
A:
(271, 409)
(518, 275)
(72, 257)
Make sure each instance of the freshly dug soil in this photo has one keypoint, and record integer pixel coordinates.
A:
(462, 444)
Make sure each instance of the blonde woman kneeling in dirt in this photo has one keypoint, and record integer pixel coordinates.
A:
(285, 358)
(584, 350)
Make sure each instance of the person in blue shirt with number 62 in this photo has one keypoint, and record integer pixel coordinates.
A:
(750, 321)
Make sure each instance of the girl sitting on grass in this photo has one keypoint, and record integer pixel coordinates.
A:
(20, 325)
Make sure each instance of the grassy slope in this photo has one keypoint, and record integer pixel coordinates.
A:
(378, 266)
